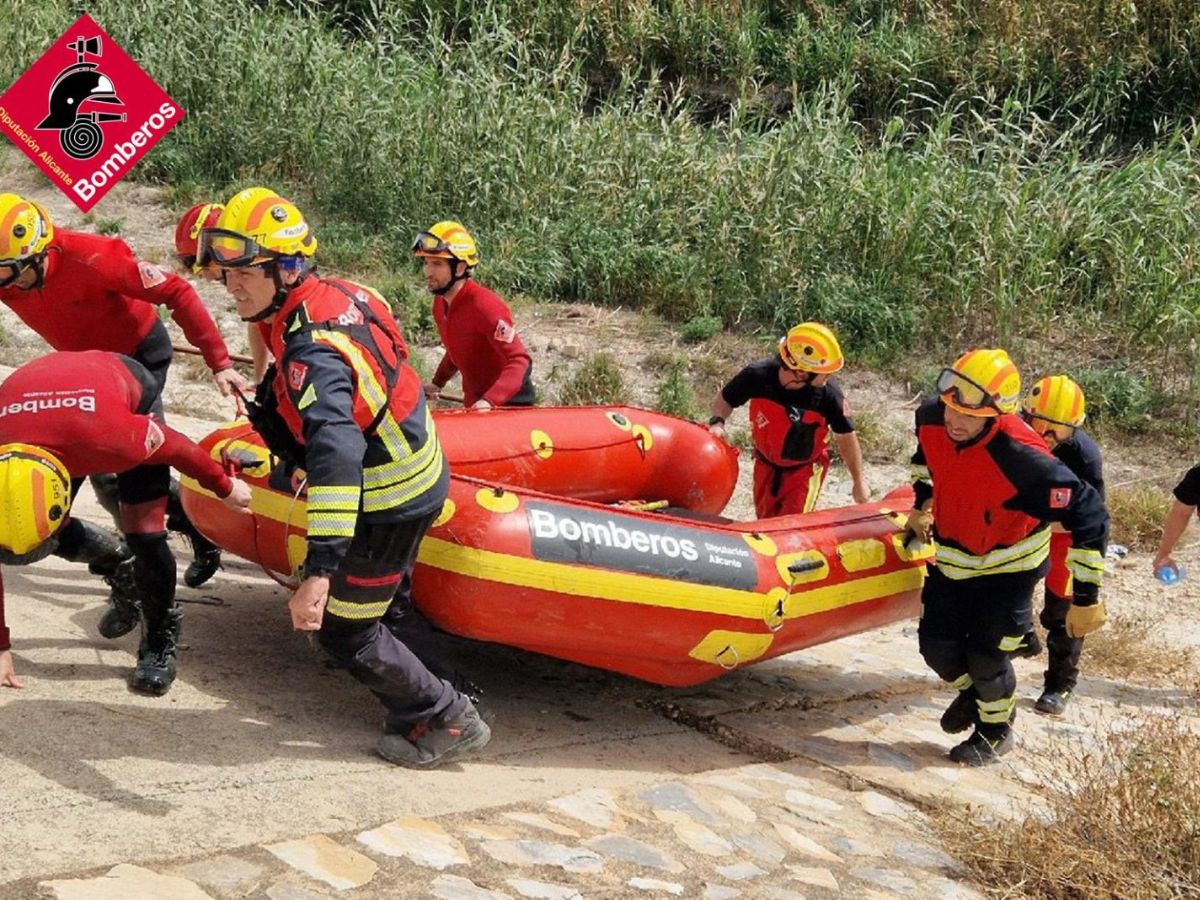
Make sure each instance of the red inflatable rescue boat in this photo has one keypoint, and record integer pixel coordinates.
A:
(532, 557)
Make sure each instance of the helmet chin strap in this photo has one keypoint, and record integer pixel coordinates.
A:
(39, 266)
(281, 292)
(454, 279)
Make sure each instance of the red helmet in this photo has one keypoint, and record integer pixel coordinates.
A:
(187, 232)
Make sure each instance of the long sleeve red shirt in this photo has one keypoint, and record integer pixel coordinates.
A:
(481, 342)
(96, 295)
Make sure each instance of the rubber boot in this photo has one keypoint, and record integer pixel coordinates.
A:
(155, 670)
(206, 556)
(125, 610)
(982, 749)
(962, 713)
(1052, 703)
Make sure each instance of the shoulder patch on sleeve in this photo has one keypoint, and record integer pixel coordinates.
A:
(846, 408)
(297, 372)
(152, 275)
(154, 437)
(505, 332)
(1060, 497)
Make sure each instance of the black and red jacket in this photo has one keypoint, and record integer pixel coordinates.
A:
(994, 497)
(348, 395)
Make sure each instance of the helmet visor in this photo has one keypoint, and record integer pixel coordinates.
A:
(963, 392)
(426, 243)
(228, 249)
(1050, 429)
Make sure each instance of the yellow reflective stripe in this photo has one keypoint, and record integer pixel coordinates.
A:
(815, 480)
(384, 474)
(1085, 565)
(402, 492)
(1020, 557)
(1011, 642)
(344, 609)
(327, 524)
(996, 712)
(372, 391)
(962, 682)
(334, 495)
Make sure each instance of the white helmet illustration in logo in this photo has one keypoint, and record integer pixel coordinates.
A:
(78, 129)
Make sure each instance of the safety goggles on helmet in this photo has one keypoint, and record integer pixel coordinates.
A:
(230, 250)
(964, 393)
(1060, 432)
(429, 243)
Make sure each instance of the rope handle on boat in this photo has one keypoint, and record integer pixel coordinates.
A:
(775, 619)
(729, 648)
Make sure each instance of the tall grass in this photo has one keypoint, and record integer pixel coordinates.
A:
(981, 219)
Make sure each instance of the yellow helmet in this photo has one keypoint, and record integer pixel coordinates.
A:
(25, 228)
(811, 347)
(981, 383)
(1055, 404)
(256, 226)
(447, 240)
(35, 495)
(25, 233)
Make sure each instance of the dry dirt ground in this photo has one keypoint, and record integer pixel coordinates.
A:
(258, 742)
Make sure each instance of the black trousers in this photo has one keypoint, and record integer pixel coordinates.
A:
(969, 627)
(1062, 669)
(367, 594)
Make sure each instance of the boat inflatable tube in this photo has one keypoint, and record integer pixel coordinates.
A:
(674, 596)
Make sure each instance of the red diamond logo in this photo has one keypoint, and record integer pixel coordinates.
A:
(85, 113)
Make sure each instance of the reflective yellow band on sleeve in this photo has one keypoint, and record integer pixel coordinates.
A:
(344, 609)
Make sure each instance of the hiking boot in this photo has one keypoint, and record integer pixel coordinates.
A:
(1052, 703)
(425, 746)
(125, 610)
(962, 713)
(206, 562)
(980, 750)
(156, 656)
(1030, 646)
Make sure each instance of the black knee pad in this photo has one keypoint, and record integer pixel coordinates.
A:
(81, 541)
(945, 657)
(993, 674)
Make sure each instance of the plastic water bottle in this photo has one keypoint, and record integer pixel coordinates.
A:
(1169, 575)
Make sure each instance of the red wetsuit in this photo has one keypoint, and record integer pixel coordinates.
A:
(83, 408)
(482, 343)
(96, 295)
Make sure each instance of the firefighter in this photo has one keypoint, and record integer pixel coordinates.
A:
(794, 404)
(68, 415)
(1187, 498)
(987, 490)
(187, 236)
(356, 415)
(83, 291)
(1055, 408)
(475, 325)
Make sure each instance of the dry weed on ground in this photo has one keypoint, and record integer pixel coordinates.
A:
(1127, 651)
(1130, 830)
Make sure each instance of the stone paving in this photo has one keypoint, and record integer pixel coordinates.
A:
(781, 830)
(847, 814)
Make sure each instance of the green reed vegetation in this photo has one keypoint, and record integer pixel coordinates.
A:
(922, 175)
